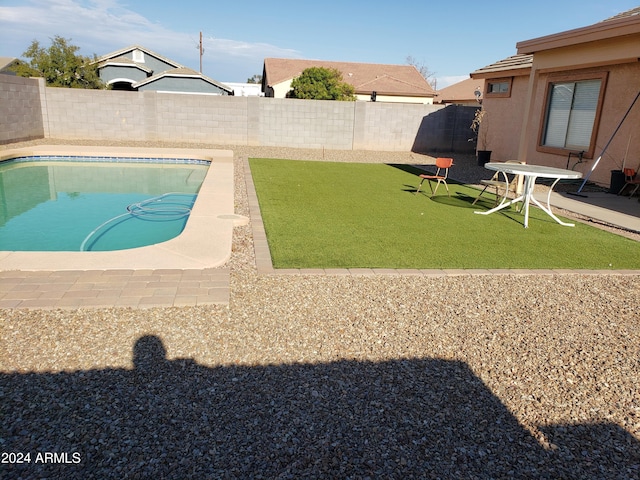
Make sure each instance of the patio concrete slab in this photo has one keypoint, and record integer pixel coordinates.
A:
(620, 211)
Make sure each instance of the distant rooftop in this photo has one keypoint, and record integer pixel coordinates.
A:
(461, 92)
(365, 77)
(628, 13)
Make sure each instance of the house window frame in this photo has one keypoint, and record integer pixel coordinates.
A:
(567, 78)
(488, 93)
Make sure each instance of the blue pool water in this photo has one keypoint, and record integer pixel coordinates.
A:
(88, 205)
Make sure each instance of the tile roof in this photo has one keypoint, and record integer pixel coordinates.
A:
(628, 13)
(365, 77)
(622, 24)
(460, 92)
(520, 62)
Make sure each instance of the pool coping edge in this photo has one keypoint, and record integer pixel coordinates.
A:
(204, 243)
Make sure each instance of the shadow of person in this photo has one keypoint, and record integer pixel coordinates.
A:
(400, 418)
(149, 357)
(148, 353)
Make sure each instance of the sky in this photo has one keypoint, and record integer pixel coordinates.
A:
(450, 38)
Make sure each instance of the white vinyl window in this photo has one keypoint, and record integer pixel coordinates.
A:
(571, 113)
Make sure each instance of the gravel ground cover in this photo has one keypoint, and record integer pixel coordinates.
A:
(321, 376)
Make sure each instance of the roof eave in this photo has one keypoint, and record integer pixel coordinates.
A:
(599, 31)
(130, 48)
(114, 63)
(155, 78)
(513, 72)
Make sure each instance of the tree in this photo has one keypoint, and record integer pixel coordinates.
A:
(59, 65)
(423, 69)
(319, 83)
(255, 79)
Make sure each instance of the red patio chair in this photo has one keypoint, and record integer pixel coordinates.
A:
(442, 164)
(630, 178)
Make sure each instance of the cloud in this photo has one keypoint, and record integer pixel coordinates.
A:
(236, 48)
(103, 26)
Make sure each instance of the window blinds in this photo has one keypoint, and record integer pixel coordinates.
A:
(571, 114)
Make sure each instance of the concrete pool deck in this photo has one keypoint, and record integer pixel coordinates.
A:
(204, 243)
(182, 271)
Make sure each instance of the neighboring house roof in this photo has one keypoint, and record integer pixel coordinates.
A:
(6, 63)
(629, 13)
(124, 62)
(182, 72)
(625, 23)
(401, 80)
(513, 65)
(157, 70)
(460, 92)
(120, 53)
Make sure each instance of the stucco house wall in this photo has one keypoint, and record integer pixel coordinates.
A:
(611, 47)
(110, 73)
(609, 50)
(504, 120)
(279, 90)
(623, 83)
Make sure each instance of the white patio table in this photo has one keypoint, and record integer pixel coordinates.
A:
(530, 173)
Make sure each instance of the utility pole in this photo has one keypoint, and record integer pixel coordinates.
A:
(201, 52)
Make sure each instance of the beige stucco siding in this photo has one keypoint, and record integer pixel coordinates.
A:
(604, 52)
(504, 121)
(622, 86)
(280, 90)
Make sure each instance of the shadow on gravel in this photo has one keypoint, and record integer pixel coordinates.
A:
(423, 418)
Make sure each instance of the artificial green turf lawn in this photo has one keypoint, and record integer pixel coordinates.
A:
(350, 215)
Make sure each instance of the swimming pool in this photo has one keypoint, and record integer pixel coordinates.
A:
(205, 240)
(70, 203)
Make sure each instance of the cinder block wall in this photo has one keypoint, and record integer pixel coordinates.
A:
(196, 118)
(256, 121)
(446, 130)
(20, 109)
(95, 114)
(388, 126)
(304, 123)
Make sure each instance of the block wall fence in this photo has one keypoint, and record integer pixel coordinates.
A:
(29, 110)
